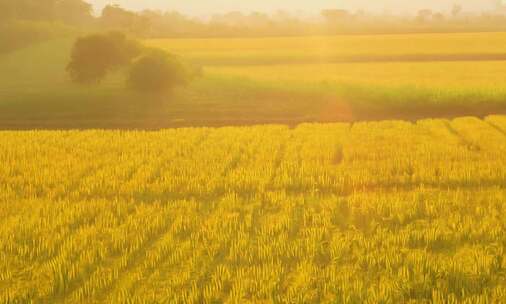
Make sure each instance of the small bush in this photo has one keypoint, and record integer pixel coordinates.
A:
(157, 72)
(95, 55)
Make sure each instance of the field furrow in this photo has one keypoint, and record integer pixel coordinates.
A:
(373, 212)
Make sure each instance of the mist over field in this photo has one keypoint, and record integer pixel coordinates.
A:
(209, 7)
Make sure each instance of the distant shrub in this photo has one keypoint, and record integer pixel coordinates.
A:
(157, 72)
(95, 55)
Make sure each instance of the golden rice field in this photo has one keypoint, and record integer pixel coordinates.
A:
(482, 76)
(333, 48)
(445, 62)
(371, 212)
(282, 80)
(401, 75)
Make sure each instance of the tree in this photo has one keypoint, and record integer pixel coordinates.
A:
(157, 72)
(424, 15)
(95, 55)
(456, 10)
(257, 19)
(68, 11)
(33, 9)
(335, 15)
(439, 17)
(116, 18)
(113, 16)
(73, 11)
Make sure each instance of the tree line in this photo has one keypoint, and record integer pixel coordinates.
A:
(160, 24)
(76, 12)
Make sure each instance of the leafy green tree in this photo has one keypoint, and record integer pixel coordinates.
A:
(74, 12)
(157, 72)
(115, 17)
(95, 55)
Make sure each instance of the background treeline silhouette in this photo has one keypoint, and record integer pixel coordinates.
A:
(23, 22)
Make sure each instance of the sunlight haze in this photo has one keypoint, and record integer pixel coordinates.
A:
(252, 151)
(200, 7)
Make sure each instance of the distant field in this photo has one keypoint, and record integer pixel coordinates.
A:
(448, 75)
(372, 212)
(441, 65)
(282, 50)
(286, 80)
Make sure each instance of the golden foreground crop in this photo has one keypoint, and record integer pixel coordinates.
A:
(377, 212)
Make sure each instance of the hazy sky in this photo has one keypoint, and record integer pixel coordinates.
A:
(209, 7)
